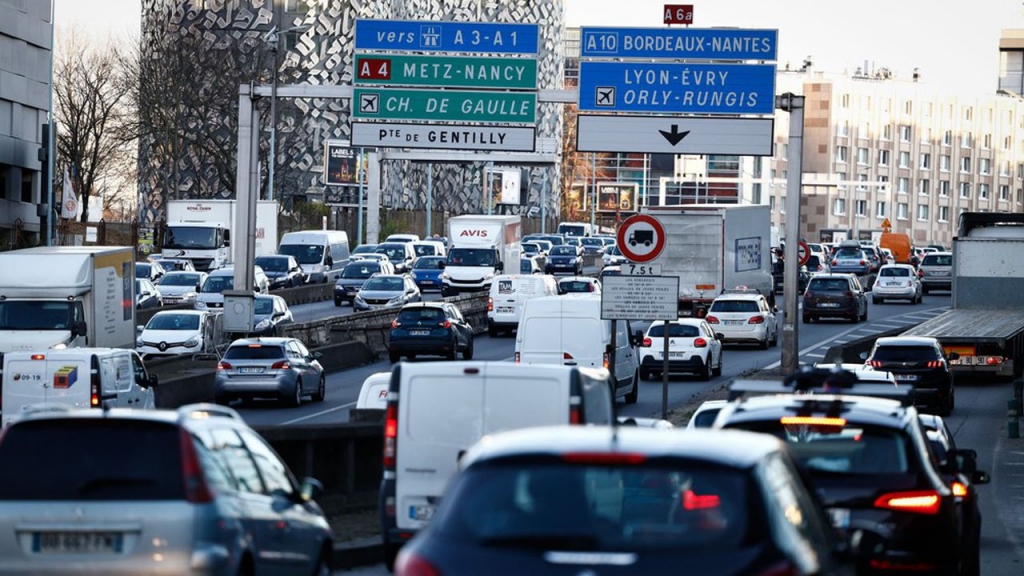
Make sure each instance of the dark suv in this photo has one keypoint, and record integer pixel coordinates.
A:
(436, 329)
(920, 362)
(835, 296)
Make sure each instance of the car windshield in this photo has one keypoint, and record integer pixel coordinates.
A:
(735, 306)
(179, 279)
(592, 242)
(813, 261)
(361, 270)
(531, 249)
(272, 264)
(575, 286)
(847, 449)
(674, 331)
(572, 230)
(937, 260)
(303, 253)
(217, 284)
(563, 251)
(263, 306)
(365, 249)
(525, 266)
(424, 249)
(555, 240)
(591, 508)
(850, 253)
(384, 284)
(904, 354)
(254, 352)
(394, 252)
(613, 250)
(174, 322)
(35, 315)
(428, 263)
(142, 270)
(471, 257)
(705, 418)
(828, 285)
(424, 314)
(190, 238)
(175, 264)
(895, 272)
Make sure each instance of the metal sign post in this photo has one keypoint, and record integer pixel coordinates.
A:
(664, 372)
(790, 336)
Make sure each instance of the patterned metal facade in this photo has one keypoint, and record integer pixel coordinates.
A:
(322, 53)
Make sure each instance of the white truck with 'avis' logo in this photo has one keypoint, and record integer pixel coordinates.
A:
(480, 248)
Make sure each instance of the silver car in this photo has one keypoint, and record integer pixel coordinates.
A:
(181, 287)
(278, 368)
(936, 271)
(385, 291)
(160, 492)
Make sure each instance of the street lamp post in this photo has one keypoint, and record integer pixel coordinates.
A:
(273, 39)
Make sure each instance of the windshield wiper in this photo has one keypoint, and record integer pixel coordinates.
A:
(544, 541)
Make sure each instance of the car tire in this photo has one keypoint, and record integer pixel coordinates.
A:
(390, 553)
(775, 337)
(924, 289)
(864, 316)
(492, 331)
(467, 354)
(807, 319)
(323, 564)
(634, 393)
(763, 345)
(337, 302)
(394, 357)
(222, 400)
(705, 371)
(718, 371)
(453, 353)
(321, 390)
(645, 374)
(296, 399)
(876, 301)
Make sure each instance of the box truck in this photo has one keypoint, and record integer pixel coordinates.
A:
(712, 248)
(202, 231)
(67, 297)
(480, 248)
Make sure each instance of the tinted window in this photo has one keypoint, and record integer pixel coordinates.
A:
(254, 352)
(303, 253)
(394, 252)
(735, 306)
(272, 263)
(675, 330)
(174, 322)
(576, 286)
(365, 249)
(937, 260)
(531, 249)
(218, 284)
(85, 459)
(142, 270)
(850, 253)
(828, 285)
(428, 263)
(706, 418)
(425, 249)
(563, 251)
(386, 284)
(849, 449)
(525, 266)
(361, 270)
(179, 279)
(895, 272)
(421, 314)
(904, 354)
(263, 306)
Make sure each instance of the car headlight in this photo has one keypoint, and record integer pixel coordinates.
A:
(396, 300)
(189, 296)
(139, 343)
(446, 276)
(261, 325)
(489, 276)
(201, 305)
(192, 342)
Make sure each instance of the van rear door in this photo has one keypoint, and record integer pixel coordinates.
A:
(44, 381)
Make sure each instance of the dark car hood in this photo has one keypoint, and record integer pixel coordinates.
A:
(356, 282)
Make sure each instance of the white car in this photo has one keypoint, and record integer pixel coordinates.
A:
(865, 374)
(373, 256)
(744, 317)
(172, 332)
(579, 284)
(897, 282)
(706, 413)
(693, 347)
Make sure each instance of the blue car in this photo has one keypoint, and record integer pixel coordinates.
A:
(426, 272)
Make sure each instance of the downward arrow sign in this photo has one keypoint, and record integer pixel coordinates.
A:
(675, 136)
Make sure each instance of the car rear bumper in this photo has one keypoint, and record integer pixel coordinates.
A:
(424, 345)
(742, 333)
(279, 385)
(845, 311)
(691, 364)
(946, 283)
(902, 292)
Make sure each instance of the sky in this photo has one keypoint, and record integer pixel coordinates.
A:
(952, 43)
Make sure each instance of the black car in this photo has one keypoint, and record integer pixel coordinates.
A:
(922, 363)
(869, 461)
(834, 296)
(435, 329)
(282, 271)
(565, 260)
(778, 274)
(352, 278)
(589, 500)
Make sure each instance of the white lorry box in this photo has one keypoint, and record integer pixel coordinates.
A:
(202, 231)
(509, 294)
(67, 296)
(482, 247)
(374, 393)
(577, 229)
(437, 410)
(569, 330)
(76, 378)
(323, 254)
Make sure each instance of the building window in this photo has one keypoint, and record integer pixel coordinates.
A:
(983, 191)
(922, 212)
(883, 157)
(905, 133)
(1020, 171)
(943, 214)
(926, 135)
(944, 162)
(908, 107)
(968, 113)
(904, 159)
(1004, 193)
(880, 209)
(924, 187)
(986, 141)
(903, 185)
(1004, 168)
(944, 188)
(887, 132)
(771, 203)
(861, 180)
(845, 100)
(841, 154)
(1020, 195)
(947, 138)
(839, 209)
(965, 140)
(901, 211)
(965, 189)
(965, 164)
(862, 208)
(785, 150)
(841, 176)
(926, 161)
(986, 166)
(987, 116)
(862, 156)
(1007, 142)
(26, 186)
(843, 129)
(885, 184)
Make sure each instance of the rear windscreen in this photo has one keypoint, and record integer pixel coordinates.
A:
(421, 314)
(904, 354)
(84, 459)
(674, 331)
(735, 306)
(828, 285)
(254, 353)
(895, 272)
(934, 260)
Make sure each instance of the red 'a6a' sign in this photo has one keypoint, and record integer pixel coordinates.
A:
(678, 13)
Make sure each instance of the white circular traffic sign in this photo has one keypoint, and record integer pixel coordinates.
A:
(641, 238)
(803, 253)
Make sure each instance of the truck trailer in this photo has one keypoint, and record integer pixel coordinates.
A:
(202, 231)
(480, 248)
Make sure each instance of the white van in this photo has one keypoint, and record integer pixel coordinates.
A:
(509, 294)
(429, 248)
(437, 410)
(568, 330)
(77, 378)
(577, 229)
(323, 254)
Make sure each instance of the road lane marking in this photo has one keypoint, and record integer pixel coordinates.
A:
(314, 415)
(814, 355)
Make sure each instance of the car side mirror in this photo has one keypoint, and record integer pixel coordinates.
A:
(953, 356)
(79, 328)
(151, 381)
(329, 261)
(310, 489)
(500, 267)
(317, 355)
(441, 265)
(719, 336)
(139, 329)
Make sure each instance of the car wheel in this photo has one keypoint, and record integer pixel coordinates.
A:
(705, 370)
(718, 371)
(296, 400)
(337, 302)
(864, 316)
(924, 290)
(467, 354)
(876, 301)
(394, 357)
(763, 344)
(492, 331)
(775, 337)
(323, 565)
(645, 374)
(634, 392)
(807, 319)
(452, 353)
(321, 390)
(222, 400)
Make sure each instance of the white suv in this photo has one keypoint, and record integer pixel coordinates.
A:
(693, 346)
(744, 316)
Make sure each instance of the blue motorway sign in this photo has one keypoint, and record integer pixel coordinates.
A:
(680, 43)
(675, 87)
(432, 36)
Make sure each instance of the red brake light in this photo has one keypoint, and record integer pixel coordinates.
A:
(835, 262)
(390, 435)
(693, 501)
(862, 262)
(574, 415)
(517, 358)
(920, 501)
(38, 357)
(712, 320)
(222, 365)
(604, 458)
(196, 489)
(445, 324)
(700, 343)
(920, 273)
(756, 320)
(590, 287)
(490, 304)
(605, 361)
(646, 343)
(959, 489)
(409, 564)
(395, 323)
(992, 360)
(848, 294)
(282, 365)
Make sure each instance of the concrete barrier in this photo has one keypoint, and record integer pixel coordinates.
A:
(306, 294)
(849, 352)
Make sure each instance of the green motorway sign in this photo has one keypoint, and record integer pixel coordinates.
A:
(446, 71)
(444, 105)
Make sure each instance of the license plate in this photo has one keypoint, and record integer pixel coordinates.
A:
(674, 355)
(422, 512)
(829, 305)
(506, 309)
(906, 377)
(893, 284)
(76, 542)
(733, 322)
(939, 273)
(426, 281)
(251, 370)
(419, 332)
(840, 517)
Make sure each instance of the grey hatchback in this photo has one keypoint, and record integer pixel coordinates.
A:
(119, 492)
(936, 271)
(280, 368)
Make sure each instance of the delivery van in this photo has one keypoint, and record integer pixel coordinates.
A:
(437, 410)
(509, 294)
(323, 254)
(77, 378)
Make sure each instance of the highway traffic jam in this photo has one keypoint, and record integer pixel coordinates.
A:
(523, 435)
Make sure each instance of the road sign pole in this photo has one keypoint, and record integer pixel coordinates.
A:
(593, 188)
(790, 324)
(430, 196)
(543, 201)
(664, 372)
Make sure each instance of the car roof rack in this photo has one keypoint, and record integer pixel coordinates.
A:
(821, 381)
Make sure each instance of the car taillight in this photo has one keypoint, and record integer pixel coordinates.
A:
(875, 363)
(694, 501)
(196, 489)
(920, 273)
(835, 262)
(646, 343)
(605, 458)
(848, 294)
(590, 287)
(518, 358)
(993, 360)
(574, 414)
(94, 393)
(282, 365)
(223, 365)
(919, 501)
(712, 320)
(756, 320)
(862, 262)
(700, 343)
(934, 363)
(959, 489)
(395, 323)
(409, 564)
(605, 361)
(390, 435)
(445, 324)
(490, 304)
